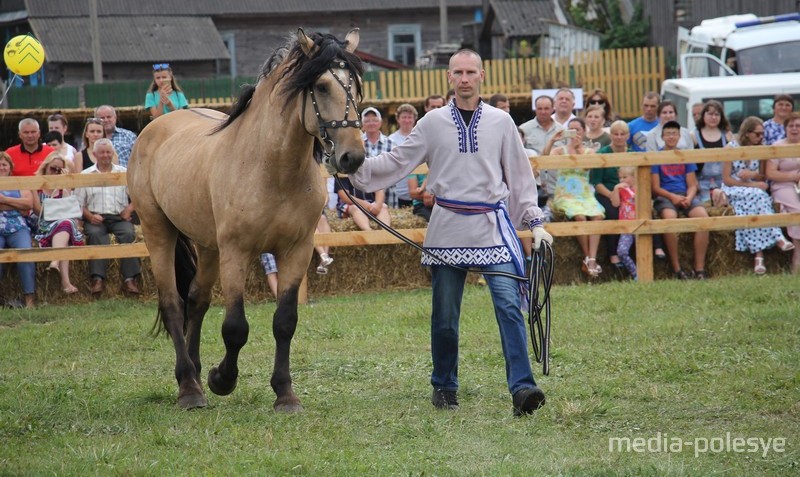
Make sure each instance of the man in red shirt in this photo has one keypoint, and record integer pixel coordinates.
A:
(29, 155)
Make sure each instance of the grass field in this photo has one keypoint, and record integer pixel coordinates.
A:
(84, 390)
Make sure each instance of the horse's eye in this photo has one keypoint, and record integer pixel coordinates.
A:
(321, 88)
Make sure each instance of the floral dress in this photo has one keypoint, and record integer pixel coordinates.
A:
(751, 201)
(47, 229)
(574, 195)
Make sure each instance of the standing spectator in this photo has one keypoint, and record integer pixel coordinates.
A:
(596, 136)
(600, 98)
(375, 143)
(564, 104)
(484, 189)
(538, 132)
(675, 189)
(640, 126)
(575, 196)
(782, 107)
(667, 111)
(744, 183)
(624, 197)
(57, 122)
(164, 94)
(785, 176)
(107, 210)
(697, 113)
(92, 132)
(14, 231)
(29, 154)
(500, 101)
(433, 101)
(122, 139)
(406, 119)
(713, 131)
(56, 233)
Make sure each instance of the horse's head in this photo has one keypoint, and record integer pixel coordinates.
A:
(333, 114)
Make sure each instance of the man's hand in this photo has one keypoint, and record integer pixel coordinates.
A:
(539, 234)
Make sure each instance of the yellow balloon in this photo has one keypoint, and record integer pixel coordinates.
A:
(24, 55)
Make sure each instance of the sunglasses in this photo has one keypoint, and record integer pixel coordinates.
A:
(160, 66)
(596, 101)
(757, 133)
(94, 121)
(57, 170)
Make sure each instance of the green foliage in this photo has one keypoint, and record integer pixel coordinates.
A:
(606, 18)
(86, 391)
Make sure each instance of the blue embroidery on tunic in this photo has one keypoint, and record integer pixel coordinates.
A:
(466, 134)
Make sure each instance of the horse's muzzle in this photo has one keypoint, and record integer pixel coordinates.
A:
(349, 162)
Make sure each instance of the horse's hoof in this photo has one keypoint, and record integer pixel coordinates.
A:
(287, 406)
(217, 385)
(192, 401)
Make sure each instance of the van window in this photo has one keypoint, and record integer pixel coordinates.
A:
(765, 108)
(680, 104)
(774, 58)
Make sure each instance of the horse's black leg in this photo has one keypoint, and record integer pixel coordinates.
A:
(198, 302)
(284, 324)
(222, 379)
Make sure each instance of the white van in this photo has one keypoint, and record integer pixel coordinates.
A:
(741, 96)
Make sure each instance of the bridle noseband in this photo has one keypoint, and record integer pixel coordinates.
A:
(328, 147)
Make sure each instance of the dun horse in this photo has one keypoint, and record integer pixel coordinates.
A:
(240, 185)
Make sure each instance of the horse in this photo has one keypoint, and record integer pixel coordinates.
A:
(214, 191)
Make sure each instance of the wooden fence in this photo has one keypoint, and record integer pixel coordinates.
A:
(643, 227)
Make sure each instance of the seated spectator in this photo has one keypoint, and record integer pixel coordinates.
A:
(14, 232)
(56, 233)
(782, 107)
(164, 94)
(372, 201)
(574, 195)
(55, 140)
(325, 260)
(675, 189)
(121, 138)
(713, 131)
(667, 111)
(375, 143)
(423, 200)
(29, 154)
(596, 136)
(107, 210)
(604, 179)
(785, 176)
(624, 197)
(406, 119)
(92, 132)
(58, 123)
(745, 185)
(600, 98)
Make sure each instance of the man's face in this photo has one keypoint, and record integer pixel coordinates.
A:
(434, 104)
(103, 153)
(671, 138)
(109, 118)
(544, 109)
(697, 111)
(405, 120)
(465, 75)
(504, 105)
(650, 108)
(29, 135)
(371, 123)
(783, 109)
(564, 103)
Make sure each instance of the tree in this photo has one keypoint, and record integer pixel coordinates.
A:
(605, 17)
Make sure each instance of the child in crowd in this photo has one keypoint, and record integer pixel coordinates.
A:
(164, 95)
(623, 196)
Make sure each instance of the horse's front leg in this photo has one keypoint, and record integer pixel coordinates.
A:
(222, 379)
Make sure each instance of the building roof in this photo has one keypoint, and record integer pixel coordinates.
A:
(68, 8)
(523, 17)
(134, 39)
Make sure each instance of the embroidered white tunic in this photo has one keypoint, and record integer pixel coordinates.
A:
(481, 162)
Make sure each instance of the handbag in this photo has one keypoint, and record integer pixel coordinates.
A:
(61, 209)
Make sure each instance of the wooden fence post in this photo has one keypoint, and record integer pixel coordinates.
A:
(644, 211)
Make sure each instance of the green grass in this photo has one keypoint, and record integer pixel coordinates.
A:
(84, 390)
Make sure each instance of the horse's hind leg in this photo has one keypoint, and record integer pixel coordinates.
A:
(222, 379)
(199, 300)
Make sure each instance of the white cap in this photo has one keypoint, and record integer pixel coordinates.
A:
(370, 110)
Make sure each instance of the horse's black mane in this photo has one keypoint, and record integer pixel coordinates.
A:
(301, 71)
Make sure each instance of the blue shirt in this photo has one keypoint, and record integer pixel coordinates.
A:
(639, 128)
(673, 176)
(177, 97)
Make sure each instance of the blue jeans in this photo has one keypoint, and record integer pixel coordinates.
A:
(448, 290)
(27, 270)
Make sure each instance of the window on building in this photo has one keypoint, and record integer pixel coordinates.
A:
(405, 43)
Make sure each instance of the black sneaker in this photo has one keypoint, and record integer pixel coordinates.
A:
(444, 399)
(527, 400)
(681, 275)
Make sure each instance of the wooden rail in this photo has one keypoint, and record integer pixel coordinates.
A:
(643, 227)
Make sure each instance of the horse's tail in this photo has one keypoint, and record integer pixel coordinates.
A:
(185, 270)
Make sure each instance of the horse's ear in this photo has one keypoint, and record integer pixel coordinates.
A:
(306, 43)
(352, 40)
